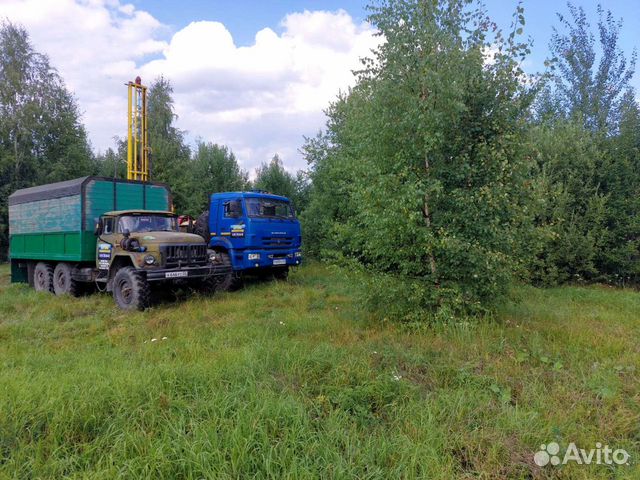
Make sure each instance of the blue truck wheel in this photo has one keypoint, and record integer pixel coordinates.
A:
(232, 280)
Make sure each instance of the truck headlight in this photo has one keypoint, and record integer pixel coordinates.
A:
(149, 259)
(298, 254)
(254, 256)
(213, 257)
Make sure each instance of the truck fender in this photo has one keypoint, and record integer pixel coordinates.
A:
(220, 242)
(118, 262)
(224, 245)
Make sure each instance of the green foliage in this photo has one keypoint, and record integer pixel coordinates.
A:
(272, 177)
(587, 153)
(215, 169)
(302, 191)
(571, 217)
(619, 259)
(41, 137)
(170, 155)
(582, 90)
(329, 203)
(432, 173)
(113, 163)
(424, 158)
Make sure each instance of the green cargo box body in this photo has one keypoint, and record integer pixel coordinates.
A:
(56, 222)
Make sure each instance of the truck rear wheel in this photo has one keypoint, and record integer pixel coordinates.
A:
(201, 226)
(43, 277)
(130, 289)
(207, 286)
(63, 282)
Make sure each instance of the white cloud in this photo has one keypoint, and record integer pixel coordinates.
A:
(258, 99)
(95, 45)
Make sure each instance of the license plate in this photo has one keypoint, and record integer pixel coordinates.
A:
(280, 261)
(176, 274)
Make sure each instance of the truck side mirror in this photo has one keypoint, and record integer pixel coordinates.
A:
(98, 230)
(126, 233)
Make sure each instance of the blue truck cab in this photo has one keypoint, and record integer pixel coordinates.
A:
(256, 232)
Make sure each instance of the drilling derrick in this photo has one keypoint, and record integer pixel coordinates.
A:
(137, 137)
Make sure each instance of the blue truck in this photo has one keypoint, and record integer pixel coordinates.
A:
(253, 232)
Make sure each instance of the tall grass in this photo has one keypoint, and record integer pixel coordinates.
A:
(293, 380)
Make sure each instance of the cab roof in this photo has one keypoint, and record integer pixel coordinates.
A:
(248, 194)
(117, 213)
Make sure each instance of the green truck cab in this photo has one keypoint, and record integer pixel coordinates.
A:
(115, 233)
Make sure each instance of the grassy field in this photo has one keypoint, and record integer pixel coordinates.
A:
(293, 380)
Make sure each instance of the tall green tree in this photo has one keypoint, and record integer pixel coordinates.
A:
(113, 162)
(590, 84)
(215, 169)
(41, 136)
(302, 191)
(170, 154)
(427, 153)
(274, 178)
(332, 169)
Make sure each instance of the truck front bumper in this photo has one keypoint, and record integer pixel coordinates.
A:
(204, 271)
(269, 259)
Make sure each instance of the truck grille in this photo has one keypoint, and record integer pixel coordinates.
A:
(175, 255)
(277, 241)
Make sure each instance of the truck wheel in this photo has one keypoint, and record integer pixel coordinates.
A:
(201, 226)
(43, 277)
(130, 289)
(206, 286)
(281, 273)
(232, 280)
(63, 282)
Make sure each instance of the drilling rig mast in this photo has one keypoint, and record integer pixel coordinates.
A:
(137, 138)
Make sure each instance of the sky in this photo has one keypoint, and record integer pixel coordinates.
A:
(253, 75)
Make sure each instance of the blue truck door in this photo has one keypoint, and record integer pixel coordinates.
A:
(231, 223)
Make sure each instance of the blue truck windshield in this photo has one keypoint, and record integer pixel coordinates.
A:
(268, 208)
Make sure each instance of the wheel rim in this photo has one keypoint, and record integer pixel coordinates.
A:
(40, 279)
(124, 287)
(61, 280)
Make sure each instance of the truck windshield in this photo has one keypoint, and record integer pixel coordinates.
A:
(265, 207)
(147, 223)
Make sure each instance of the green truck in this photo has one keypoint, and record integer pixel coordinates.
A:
(117, 234)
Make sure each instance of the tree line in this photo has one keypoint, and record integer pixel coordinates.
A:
(447, 170)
